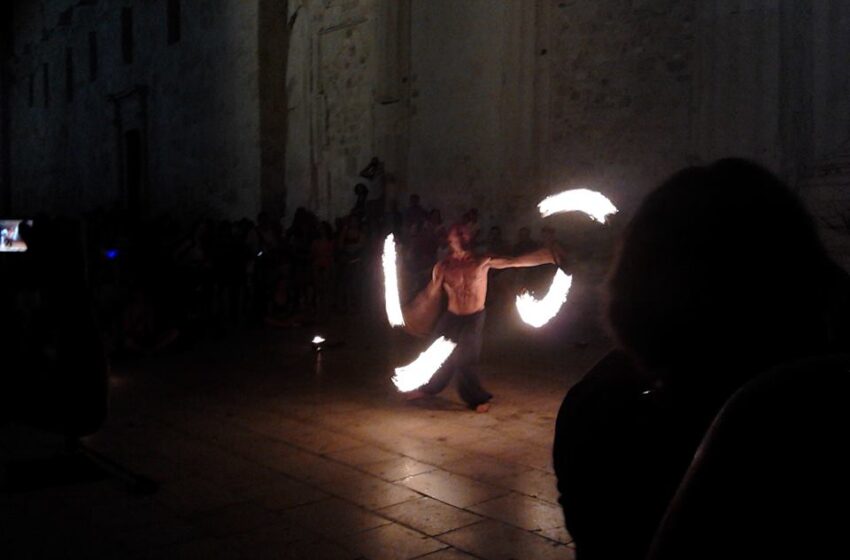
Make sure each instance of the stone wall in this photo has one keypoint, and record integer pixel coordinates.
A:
(485, 103)
(472, 107)
(826, 191)
(621, 87)
(829, 35)
(639, 88)
(6, 48)
(331, 97)
(195, 102)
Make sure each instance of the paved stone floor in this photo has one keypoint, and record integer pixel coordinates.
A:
(265, 449)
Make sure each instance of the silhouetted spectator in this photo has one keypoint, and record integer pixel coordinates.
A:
(300, 240)
(352, 245)
(376, 175)
(496, 245)
(323, 269)
(361, 194)
(431, 235)
(471, 226)
(193, 258)
(524, 244)
(393, 220)
(414, 215)
(143, 330)
(721, 277)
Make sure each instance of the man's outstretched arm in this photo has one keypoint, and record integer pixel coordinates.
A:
(535, 258)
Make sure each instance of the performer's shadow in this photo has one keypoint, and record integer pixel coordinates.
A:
(436, 402)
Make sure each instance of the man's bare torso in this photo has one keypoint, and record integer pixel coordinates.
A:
(464, 276)
(465, 283)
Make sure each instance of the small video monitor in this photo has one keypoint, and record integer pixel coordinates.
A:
(10, 235)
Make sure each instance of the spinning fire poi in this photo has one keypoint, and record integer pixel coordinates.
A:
(538, 312)
(462, 276)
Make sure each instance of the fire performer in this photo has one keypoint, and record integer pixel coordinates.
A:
(462, 275)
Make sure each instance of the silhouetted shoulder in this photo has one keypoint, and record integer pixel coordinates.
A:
(772, 465)
(610, 433)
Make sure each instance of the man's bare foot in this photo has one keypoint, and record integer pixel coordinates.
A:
(413, 395)
(482, 408)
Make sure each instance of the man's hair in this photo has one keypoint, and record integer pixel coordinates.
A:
(457, 228)
(719, 261)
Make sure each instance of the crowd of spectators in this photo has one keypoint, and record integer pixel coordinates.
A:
(160, 283)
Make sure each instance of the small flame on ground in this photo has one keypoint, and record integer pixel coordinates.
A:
(420, 371)
(391, 297)
(539, 312)
(594, 204)
(318, 339)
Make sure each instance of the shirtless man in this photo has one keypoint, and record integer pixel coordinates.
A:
(463, 276)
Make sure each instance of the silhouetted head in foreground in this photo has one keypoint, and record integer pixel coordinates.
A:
(721, 270)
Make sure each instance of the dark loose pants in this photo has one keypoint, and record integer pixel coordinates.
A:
(466, 332)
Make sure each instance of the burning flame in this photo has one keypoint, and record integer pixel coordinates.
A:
(592, 203)
(596, 205)
(318, 339)
(391, 297)
(420, 371)
(539, 312)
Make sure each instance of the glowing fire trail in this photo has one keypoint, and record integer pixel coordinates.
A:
(592, 203)
(391, 296)
(596, 205)
(539, 312)
(420, 371)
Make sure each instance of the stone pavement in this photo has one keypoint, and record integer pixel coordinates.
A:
(266, 449)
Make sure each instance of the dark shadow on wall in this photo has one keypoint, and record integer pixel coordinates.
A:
(274, 28)
(6, 48)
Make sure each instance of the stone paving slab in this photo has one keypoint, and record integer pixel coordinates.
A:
(430, 516)
(394, 470)
(521, 511)
(495, 541)
(262, 450)
(453, 489)
(392, 542)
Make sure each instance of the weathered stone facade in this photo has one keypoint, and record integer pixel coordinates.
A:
(193, 103)
(621, 82)
(332, 101)
(486, 103)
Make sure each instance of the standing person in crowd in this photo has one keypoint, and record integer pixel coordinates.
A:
(323, 270)
(361, 193)
(352, 247)
(193, 259)
(393, 220)
(375, 174)
(422, 248)
(299, 239)
(721, 277)
(472, 227)
(524, 243)
(414, 215)
(496, 245)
